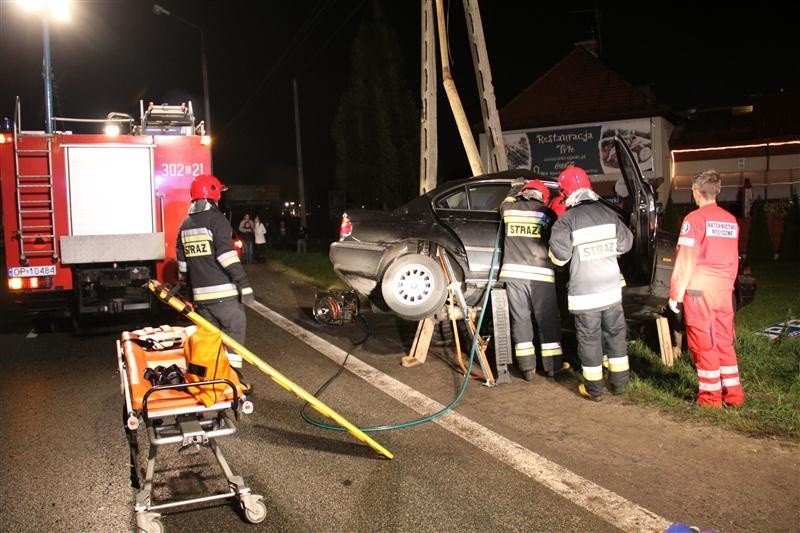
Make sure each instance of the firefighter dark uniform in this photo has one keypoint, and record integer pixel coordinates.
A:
(206, 255)
(590, 236)
(705, 271)
(529, 278)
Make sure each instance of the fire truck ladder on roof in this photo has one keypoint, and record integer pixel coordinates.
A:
(34, 193)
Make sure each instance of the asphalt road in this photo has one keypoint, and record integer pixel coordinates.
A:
(515, 457)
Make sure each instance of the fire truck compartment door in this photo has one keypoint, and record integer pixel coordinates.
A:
(81, 249)
(110, 189)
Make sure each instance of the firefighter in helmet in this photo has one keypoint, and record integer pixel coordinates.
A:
(590, 236)
(529, 277)
(207, 257)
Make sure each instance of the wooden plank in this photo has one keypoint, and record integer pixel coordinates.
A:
(665, 341)
(422, 341)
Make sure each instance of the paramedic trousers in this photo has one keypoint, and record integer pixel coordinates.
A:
(601, 333)
(710, 334)
(529, 300)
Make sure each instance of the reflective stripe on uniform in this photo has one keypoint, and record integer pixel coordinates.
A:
(593, 373)
(228, 258)
(521, 215)
(593, 301)
(529, 272)
(686, 241)
(194, 232)
(618, 364)
(709, 386)
(708, 374)
(226, 290)
(551, 349)
(523, 349)
(594, 233)
(729, 369)
(182, 266)
(730, 382)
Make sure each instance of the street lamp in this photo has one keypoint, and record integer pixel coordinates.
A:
(57, 10)
(158, 10)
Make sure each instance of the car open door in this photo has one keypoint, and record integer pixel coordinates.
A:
(640, 208)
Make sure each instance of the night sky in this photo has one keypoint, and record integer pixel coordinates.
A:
(116, 52)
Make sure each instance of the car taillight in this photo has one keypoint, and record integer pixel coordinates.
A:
(346, 227)
(238, 244)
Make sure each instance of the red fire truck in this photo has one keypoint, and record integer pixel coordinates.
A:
(89, 217)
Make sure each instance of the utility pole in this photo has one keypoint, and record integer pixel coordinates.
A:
(460, 116)
(300, 185)
(483, 75)
(428, 134)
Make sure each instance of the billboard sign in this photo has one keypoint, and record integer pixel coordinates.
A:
(590, 146)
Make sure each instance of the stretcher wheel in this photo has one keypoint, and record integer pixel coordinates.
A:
(153, 525)
(256, 511)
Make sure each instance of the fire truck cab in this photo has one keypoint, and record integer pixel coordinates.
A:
(89, 217)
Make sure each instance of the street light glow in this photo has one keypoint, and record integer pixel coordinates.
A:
(54, 9)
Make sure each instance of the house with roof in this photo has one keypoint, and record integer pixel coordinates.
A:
(556, 122)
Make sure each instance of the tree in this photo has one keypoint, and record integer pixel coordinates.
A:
(375, 130)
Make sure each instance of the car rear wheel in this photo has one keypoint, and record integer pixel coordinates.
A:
(414, 287)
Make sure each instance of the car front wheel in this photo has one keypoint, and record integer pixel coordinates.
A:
(414, 287)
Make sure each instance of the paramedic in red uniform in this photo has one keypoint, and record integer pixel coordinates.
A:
(206, 256)
(530, 278)
(702, 280)
(589, 236)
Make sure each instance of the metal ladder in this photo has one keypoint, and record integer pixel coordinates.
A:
(34, 194)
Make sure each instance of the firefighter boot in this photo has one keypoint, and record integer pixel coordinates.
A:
(585, 393)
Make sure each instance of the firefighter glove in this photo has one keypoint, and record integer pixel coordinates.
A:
(247, 296)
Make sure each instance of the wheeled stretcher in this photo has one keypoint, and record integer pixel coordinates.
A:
(171, 415)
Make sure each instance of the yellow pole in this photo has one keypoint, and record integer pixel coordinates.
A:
(185, 309)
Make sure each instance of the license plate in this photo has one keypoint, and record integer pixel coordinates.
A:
(29, 272)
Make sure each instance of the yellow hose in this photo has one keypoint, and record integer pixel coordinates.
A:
(186, 309)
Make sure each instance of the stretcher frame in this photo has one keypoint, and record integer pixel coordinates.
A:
(172, 416)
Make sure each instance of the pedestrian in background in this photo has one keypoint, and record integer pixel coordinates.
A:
(260, 239)
(246, 233)
(702, 281)
(207, 257)
(301, 239)
(589, 236)
(529, 278)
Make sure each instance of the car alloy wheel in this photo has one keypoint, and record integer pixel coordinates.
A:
(414, 286)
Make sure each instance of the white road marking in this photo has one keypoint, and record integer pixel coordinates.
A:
(601, 502)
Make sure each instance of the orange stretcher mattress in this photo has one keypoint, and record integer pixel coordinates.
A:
(151, 348)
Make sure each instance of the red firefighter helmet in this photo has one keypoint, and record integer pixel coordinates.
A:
(206, 186)
(539, 186)
(573, 178)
